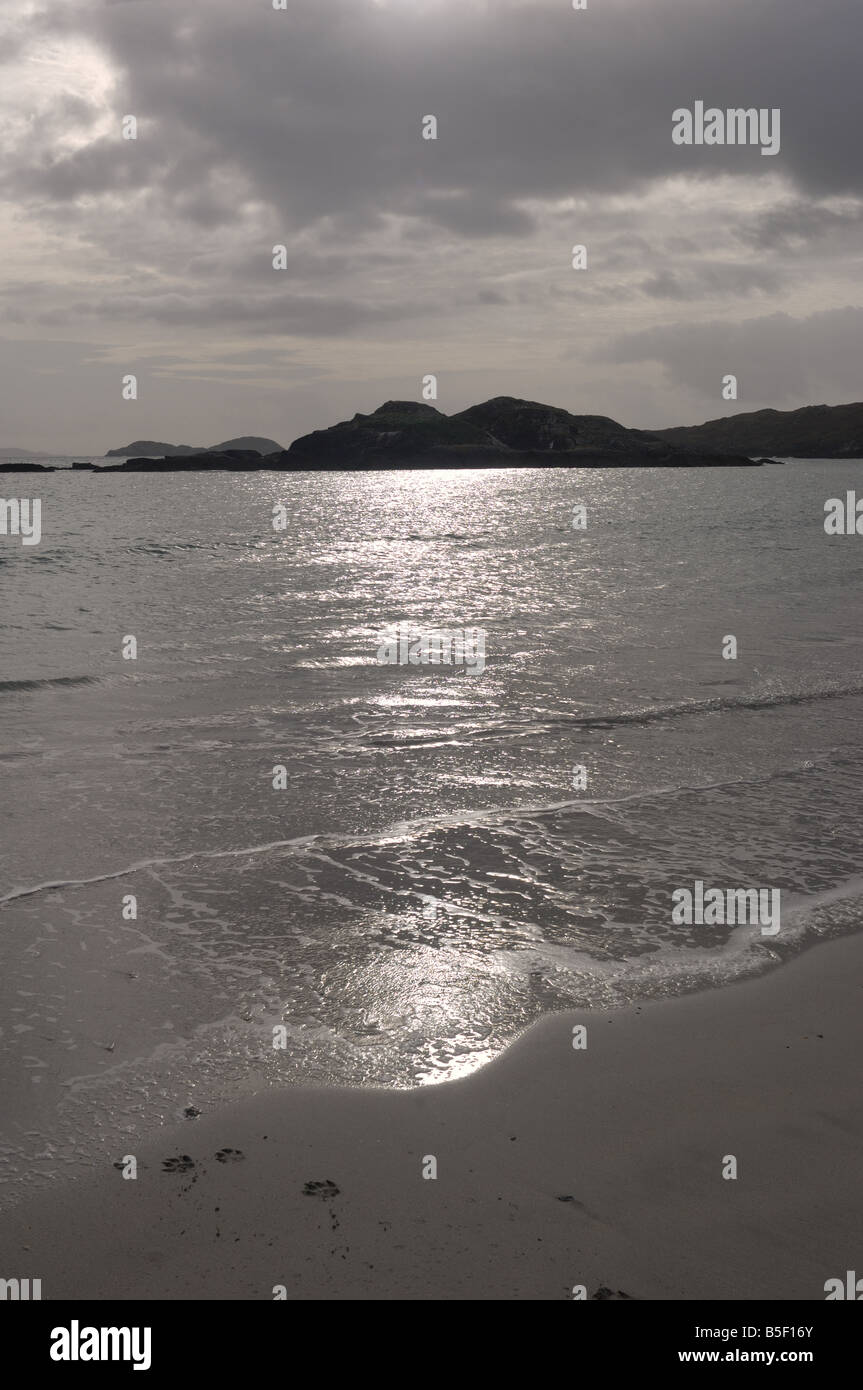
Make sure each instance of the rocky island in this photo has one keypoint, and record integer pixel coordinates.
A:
(813, 432)
(149, 448)
(504, 432)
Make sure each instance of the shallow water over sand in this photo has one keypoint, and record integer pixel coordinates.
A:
(429, 882)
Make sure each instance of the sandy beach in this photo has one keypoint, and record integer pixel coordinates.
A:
(431, 676)
(556, 1167)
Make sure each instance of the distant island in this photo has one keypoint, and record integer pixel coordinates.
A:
(813, 432)
(504, 432)
(149, 448)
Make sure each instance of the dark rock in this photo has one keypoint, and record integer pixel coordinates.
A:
(529, 426)
(814, 431)
(229, 461)
(504, 432)
(28, 468)
(396, 431)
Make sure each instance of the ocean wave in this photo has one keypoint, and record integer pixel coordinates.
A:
(720, 704)
(49, 683)
(717, 704)
(505, 820)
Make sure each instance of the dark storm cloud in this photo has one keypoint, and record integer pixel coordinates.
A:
(472, 216)
(260, 127)
(106, 166)
(317, 109)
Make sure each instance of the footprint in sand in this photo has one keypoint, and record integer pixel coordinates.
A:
(325, 1189)
(229, 1156)
(181, 1164)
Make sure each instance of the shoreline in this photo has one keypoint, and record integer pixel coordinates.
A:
(411, 463)
(555, 1167)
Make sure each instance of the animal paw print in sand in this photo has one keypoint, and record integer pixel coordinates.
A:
(326, 1190)
(182, 1164)
(229, 1156)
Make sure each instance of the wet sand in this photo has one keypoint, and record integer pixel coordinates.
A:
(556, 1168)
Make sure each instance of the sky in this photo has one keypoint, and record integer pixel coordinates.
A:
(303, 127)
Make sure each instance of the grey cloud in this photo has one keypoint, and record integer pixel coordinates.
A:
(319, 107)
(283, 313)
(706, 278)
(777, 358)
(799, 223)
(475, 217)
(106, 166)
(260, 127)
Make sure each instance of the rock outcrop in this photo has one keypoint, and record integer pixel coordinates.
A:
(230, 460)
(815, 432)
(504, 431)
(27, 468)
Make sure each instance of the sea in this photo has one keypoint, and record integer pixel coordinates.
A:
(256, 855)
